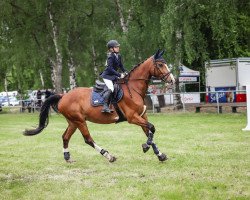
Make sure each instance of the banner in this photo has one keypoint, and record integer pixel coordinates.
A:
(187, 79)
(224, 95)
(190, 98)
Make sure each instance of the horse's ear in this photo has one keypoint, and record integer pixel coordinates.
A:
(160, 54)
(157, 54)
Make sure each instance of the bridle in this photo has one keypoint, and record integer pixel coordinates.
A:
(163, 76)
(157, 66)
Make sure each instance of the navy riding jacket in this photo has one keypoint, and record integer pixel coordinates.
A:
(114, 63)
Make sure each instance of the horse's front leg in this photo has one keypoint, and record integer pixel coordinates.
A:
(145, 146)
(149, 130)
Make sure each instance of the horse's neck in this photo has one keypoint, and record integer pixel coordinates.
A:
(142, 71)
(140, 77)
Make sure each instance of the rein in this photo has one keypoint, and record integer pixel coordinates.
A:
(127, 78)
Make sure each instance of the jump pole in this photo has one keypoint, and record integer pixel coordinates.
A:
(248, 109)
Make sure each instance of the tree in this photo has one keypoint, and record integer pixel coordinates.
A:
(58, 43)
(197, 31)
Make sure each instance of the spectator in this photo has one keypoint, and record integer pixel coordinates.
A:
(39, 98)
(48, 93)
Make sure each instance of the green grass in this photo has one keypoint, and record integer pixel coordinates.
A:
(209, 158)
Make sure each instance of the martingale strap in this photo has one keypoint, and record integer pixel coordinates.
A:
(130, 94)
(122, 118)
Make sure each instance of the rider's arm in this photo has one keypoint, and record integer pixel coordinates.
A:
(121, 65)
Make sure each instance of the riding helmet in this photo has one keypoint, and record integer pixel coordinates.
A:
(112, 44)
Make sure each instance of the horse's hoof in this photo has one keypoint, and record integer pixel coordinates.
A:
(145, 147)
(112, 159)
(162, 157)
(66, 155)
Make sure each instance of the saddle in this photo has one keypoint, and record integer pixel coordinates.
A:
(100, 88)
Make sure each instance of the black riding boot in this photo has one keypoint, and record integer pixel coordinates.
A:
(107, 98)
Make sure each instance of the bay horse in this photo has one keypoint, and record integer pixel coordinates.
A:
(76, 107)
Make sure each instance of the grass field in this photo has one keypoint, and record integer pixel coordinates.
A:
(209, 158)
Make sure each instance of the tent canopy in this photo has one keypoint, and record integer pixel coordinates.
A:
(188, 76)
(185, 71)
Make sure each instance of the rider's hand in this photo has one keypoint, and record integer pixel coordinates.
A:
(122, 75)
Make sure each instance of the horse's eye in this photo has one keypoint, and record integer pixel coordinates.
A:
(160, 65)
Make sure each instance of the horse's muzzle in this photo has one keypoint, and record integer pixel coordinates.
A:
(167, 77)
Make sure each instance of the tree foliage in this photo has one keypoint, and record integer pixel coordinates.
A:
(39, 37)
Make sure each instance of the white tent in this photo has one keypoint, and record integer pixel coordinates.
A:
(189, 76)
(185, 71)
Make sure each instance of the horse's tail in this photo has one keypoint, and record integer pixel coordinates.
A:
(44, 113)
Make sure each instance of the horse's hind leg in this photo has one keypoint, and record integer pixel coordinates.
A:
(82, 126)
(66, 137)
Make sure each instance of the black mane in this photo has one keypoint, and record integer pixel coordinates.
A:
(135, 66)
(157, 57)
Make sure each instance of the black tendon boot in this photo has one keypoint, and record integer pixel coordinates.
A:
(107, 99)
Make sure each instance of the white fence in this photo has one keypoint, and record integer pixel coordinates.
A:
(23, 105)
(159, 100)
(194, 98)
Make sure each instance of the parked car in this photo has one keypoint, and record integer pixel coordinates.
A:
(27, 102)
(3, 99)
(12, 102)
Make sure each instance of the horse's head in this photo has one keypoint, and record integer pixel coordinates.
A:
(160, 69)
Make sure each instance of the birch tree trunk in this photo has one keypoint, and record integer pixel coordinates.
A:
(5, 84)
(6, 89)
(124, 24)
(96, 70)
(53, 76)
(177, 98)
(72, 72)
(41, 77)
(57, 65)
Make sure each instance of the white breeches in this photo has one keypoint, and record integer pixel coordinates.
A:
(109, 84)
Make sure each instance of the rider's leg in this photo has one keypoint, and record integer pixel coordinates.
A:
(107, 96)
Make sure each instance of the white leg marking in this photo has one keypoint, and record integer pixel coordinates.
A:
(159, 154)
(65, 150)
(97, 148)
(106, 154)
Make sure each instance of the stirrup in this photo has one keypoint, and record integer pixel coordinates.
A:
(107, 110)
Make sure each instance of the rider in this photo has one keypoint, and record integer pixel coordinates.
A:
(111, 74)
